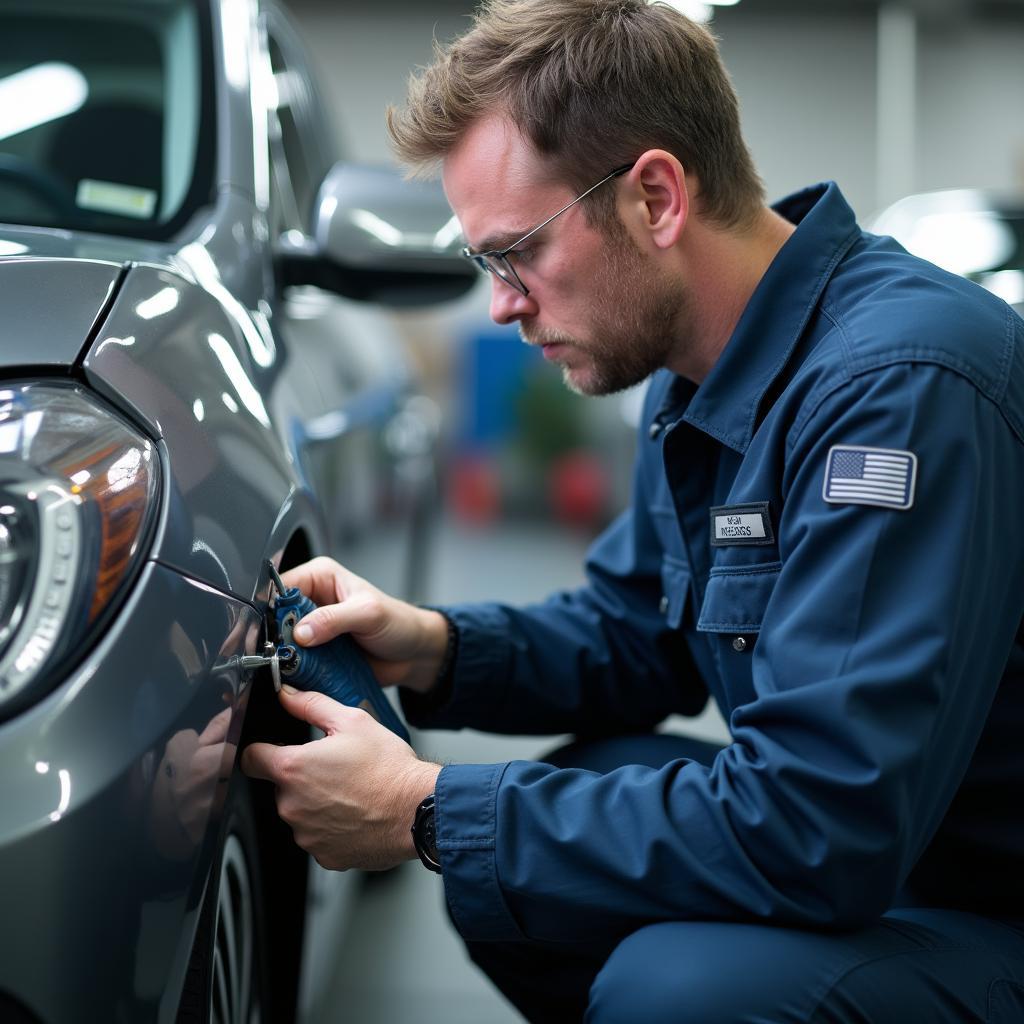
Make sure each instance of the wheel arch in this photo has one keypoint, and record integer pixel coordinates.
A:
(284, 865)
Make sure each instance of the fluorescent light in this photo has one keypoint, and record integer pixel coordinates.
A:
(39, 94)
(240, 381)
(157, 305)
(693, 9)
(380, 229)
(697, 10)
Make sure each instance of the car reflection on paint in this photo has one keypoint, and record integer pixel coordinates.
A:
(195, 377)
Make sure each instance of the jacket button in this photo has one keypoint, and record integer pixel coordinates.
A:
(654, 430)
(739, 643)
(663, 604)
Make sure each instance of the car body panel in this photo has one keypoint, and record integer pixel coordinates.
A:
(199, 384)
(20, 241)
(81, 768)
(272, 412)
(51, 333)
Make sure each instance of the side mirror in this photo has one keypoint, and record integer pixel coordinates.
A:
(381, 238)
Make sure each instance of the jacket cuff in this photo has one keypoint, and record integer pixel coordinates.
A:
(465, 811)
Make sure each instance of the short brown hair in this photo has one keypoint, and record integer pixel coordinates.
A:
(591, 84)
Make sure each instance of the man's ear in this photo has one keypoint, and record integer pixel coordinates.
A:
(660, 197)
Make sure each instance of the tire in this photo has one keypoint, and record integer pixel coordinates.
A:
(226, 982)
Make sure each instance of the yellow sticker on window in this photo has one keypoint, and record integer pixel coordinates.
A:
(110, 197)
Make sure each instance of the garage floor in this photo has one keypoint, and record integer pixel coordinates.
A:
(402, 963)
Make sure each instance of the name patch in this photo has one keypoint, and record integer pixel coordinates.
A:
(870, 476)
(741, 524)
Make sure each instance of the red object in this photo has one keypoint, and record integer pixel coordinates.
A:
(473, 490)
(578, 488)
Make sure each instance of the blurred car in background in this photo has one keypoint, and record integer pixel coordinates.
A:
(195, 378)
(971, 232)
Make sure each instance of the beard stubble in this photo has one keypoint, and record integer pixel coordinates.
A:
(635, 312)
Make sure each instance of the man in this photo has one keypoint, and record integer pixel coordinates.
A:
(824, 537)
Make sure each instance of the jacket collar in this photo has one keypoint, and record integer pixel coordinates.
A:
(726, 403)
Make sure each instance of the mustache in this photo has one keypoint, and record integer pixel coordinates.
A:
(534, 335)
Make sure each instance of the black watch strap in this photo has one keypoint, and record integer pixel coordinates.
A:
(424, 835)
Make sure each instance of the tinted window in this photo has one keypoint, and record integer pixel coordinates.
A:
(103, 115)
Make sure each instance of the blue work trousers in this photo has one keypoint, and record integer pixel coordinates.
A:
(914, 965)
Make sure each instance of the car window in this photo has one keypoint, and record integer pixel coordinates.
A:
(104, 114)
(289, 88)
(302, 141)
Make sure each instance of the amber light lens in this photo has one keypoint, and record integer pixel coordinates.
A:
(112, 484)
(78, 495)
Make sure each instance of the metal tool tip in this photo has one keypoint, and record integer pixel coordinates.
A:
(276, 578)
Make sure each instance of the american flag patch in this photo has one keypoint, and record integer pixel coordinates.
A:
(870, 476)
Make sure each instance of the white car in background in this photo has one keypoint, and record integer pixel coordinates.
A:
(972, 232)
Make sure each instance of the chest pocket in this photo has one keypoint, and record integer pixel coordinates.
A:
(734, 604)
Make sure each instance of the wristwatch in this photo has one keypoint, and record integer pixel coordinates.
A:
(424, 835)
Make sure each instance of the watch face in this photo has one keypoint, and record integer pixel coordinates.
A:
(424, 835)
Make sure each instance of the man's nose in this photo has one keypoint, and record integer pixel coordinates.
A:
(508, 304)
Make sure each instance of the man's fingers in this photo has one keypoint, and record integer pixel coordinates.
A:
(303, 576)
(259, 761)
(322, 580)
(316, 708)
(355, 615)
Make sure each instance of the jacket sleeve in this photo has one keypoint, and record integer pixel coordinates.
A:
(595, 660)
(880, 652)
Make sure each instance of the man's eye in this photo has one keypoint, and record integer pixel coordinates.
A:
(523, 254)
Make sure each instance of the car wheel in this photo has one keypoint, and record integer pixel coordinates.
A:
(226, 981)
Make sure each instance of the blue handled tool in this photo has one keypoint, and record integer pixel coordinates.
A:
(336, 668)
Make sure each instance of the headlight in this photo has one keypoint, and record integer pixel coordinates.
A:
(78, 491)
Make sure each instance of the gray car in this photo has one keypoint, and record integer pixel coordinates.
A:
(195, 379)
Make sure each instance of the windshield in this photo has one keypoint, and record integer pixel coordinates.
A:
(104, 114)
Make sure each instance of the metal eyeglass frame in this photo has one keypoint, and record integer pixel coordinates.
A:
(496, 261)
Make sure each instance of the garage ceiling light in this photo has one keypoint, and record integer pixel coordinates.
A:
(693, 9)
(698, 10)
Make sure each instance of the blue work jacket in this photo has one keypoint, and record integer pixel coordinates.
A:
(861, 633)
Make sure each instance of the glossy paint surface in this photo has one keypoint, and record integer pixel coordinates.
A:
(277, 417)
(46, 333)
(199, 378)
(87, 787)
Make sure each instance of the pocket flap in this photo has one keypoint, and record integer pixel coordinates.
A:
(734, 602)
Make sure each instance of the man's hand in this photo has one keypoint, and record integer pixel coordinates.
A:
(404, 645)
(350, 797)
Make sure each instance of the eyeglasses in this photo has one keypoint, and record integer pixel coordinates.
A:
(496, 261)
